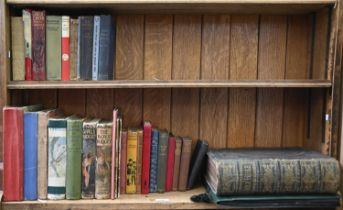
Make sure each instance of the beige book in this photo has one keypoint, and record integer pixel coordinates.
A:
(18, 48)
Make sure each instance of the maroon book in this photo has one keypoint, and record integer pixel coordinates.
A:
(123, 162)
(170, 163)
(146, 157)
(38, 45)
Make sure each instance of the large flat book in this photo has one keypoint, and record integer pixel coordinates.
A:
(162, 161)
(38, 45)
(131, 166)
(27, 21)
(271, 171)
(153, 160)
(85, 47)
(18, 48)
(53, 47)
(146, 157)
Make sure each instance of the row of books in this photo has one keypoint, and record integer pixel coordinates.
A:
(49, 156)
(50, 47)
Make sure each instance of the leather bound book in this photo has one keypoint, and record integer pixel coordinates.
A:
(85, 47)
(27, 20)
(170, 163)
(74, 157)
(162, 161)
(122, 169)
(146, 157)
(38, 45)
(131, 166)
(139, 161)
(184, 163)
(197, 163)
(153, 160)
(53, 47)
(18, 48)
(106, 48)
(177, 159)
(73, 48)
(118, 153)
(65, 48)
(114, 151)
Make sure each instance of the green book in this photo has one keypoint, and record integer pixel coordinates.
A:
(74, 151)
(53, 47)
(162, 161)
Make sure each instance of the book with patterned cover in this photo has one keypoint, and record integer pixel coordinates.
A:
(131, 160)
(153, 160)
(38, 45)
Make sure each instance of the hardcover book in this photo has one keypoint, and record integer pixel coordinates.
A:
(177, 159)
(153, 160)
(27, 20)
(18, 48)
(96, 40)
(162, 161)
(65, 48)
(197, 163)
(122, 166)
(184, 163)
(106, 48)
(146, 158)
(170, 163)
(38, 45)
(73, 48)
(85, 47)
(131, 166)
(53, 47)
(118, 154)
(114, 137)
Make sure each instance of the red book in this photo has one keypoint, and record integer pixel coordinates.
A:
(123, 162)
(38, 45)
(27, 19)
(146, 157)
(114, 135)
(13, 145)
(65, 48)
(170, 163)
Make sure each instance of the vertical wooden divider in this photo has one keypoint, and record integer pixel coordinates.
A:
(214, 66)
(186, 66)
(72, 101)
(157, 66)
(243, 65)
(271, 65)
(129, 66)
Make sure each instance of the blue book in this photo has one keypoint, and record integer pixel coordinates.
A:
(30, 155)
(106, 48)
(154, 160)
(96, 39)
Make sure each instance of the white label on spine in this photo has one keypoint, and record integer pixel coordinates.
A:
(65, 26)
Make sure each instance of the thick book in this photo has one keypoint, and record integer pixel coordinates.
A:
(106, 48)
(118, 154)
(85, 47)
(177, 158)
(95, 56)
(30, 155)
(65, 48)
(170, 163)
(197, 165)
(53, 47)
(57, 158)
(271, 171)
(114, 142)
(74, 158)
(184, 163)
(73, 48)
(162, 161)
(139, 161)
(146, 157)
(18, 48)
(89, 158)
(104, 158)
(131, 166)
(153, 160)
(38, 45)
(27, 21)
(122, 167)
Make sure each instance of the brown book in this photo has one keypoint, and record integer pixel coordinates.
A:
(73, 48)
(139, 161)
(38, 45)
(18, 48)
(177, 159)
(184, 163)
(122, 169)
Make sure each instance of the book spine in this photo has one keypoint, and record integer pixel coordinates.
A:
(123, 163)
(30, 155)
(18, 48)
(177, 163)
(38, 45)
(88, 160)
(184, 163)
(114, 153)
(104, 158)
(86, 47)
(162, 161)
(153, 161)
(65, 48)
(96, 37)
(73, 48)
(106, 48)
(28, 43)
(53, 47)
(74, 148)
(118, 154)
(57, 158)
(131, 169)
(139, 161)
(146, 158)
(78, 64)
(170, 163)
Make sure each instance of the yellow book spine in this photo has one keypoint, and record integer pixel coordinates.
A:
(131, 161)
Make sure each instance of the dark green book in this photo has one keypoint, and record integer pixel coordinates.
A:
(162, 161)
(53, 47)
(74, 151)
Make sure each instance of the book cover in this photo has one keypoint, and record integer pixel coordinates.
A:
(74, 151)
(139, 161)
(118, 154)
(73, 48)
(18, 48)
(38, 45)
(27, 20)
(146, 158)
(53, 47)
(65, 48)
(104, 158)
(177, 159)
(197, 163)
(57, 158)
(106, 48)
(184, 163)
(153, 160)
(96, 39)
(85, 47)
(122, 167)
(170, 163)
(162, 161)
(89, 158)
(131, 166)
(114, 139)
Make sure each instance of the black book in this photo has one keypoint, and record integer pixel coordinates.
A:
(85, 47)
(197, 163)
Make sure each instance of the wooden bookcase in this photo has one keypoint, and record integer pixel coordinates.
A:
(238, 73)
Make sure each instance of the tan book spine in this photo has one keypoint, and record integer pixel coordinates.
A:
(73, 48)
(139, 161)
(18, 48)
(131, 169)
(184, 163)
(177, 159)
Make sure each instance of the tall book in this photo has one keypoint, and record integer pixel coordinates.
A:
(197, 164)
(74, 151)
(27, 20)
(104, 158)
(162, 161)
(106, 48)
(85, 47)
(18, 48)
(53, 47)
(122, 166)
(65, 48)
(131, 166)
(73, 48)
(146, 158)
(153, 160)
(177, 159)
(184, 163)
(38, 45)
(57, 158)
(118, 154)
(114, 142)
(139, 161)
(89, 158)
(96, 40)
(170, 163)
